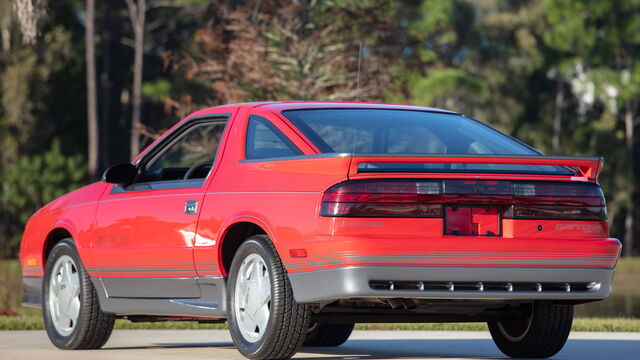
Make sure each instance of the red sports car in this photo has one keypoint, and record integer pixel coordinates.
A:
(295, 220)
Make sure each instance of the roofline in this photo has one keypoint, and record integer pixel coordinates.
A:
(290, 105)
(279, 106)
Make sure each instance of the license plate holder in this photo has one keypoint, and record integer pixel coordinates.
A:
(472, 220)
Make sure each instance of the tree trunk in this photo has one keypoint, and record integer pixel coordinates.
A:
(557, 119)
(137, 15)
(628, 128)
(106, 87)
(5, 33)
(627, 244)
(92, 111)
(628, 220)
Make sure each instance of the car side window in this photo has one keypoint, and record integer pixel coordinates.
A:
(189, 156)
(264, 140)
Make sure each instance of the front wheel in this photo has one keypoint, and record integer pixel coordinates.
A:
(540, 333)
(264, 320)
(72, 315)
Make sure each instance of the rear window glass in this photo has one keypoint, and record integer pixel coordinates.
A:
(385, 131)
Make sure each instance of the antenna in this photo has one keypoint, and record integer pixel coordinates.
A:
(359, 61)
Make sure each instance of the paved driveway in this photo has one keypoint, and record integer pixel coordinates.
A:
(216, 344)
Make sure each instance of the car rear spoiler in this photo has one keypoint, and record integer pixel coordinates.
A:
(587, 167)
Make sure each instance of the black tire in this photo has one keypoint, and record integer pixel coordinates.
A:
(541, 333)
(328, 334)
(287, 322)
(93, 327)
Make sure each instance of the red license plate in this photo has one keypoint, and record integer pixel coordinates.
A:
(472, 220)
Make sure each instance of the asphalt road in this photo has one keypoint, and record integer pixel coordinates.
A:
(216, 344)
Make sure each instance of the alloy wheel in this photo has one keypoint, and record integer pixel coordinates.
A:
(64, 295)
(253, 298)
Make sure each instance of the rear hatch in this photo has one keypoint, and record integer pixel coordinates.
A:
(471, 193)
(424, 163)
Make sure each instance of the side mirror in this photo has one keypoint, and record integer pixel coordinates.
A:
(121, 174)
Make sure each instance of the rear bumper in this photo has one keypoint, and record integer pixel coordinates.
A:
(356, 282)
(32, 291)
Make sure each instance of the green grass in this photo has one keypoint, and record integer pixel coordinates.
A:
(579, 324)
(627, 276)
(629, 266)
(21, 322)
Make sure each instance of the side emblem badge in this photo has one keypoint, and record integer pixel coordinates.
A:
(190, 207)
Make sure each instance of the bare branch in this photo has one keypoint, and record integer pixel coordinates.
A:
(133, 12)
(160, 3)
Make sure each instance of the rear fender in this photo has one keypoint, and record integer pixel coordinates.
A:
(249, 218)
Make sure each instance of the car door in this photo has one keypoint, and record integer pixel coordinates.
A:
(144, 232)
(257, 137)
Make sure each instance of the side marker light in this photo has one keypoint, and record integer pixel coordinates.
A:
(298, 253)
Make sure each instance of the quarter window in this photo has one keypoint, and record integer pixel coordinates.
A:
(264, 140)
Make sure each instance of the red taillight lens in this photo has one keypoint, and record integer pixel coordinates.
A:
(554, 193)
(425, 198)
(558, 201)
(485, 192)
(556, 212)
(384, 199)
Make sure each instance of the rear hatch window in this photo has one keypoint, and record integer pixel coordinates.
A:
(409, 132)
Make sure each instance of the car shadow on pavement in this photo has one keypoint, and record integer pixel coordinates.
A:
(578, 349)
(402, 349)
(220, 345)
(469, 348)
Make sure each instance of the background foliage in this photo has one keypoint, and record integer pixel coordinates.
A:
(562, 75)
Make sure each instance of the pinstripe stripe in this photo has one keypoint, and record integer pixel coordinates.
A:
(460, 256)
(458, 263)
(160, 269)
(405, 258)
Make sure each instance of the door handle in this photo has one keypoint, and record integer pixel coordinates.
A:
(190, 207)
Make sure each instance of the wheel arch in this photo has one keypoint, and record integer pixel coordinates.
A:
(234, 234)
(56, 234)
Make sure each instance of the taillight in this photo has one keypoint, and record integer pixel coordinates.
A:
(384, 199)
(556, 212)
(426, 198)
(560, 201)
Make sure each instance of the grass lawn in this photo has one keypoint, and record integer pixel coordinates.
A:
(628, 271)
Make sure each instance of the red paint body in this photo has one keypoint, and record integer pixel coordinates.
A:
(146, 234)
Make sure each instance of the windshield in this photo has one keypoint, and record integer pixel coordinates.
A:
(385, 131)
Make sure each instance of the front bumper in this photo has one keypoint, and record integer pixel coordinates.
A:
(32, 291)
(491, 283)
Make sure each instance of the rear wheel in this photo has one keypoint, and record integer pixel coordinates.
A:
(328, 334)
(72, 315)
(540, 333)
(264, 320)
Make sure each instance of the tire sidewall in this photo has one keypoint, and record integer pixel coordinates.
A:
(323, 334)
(544, 337)
(254, 245)
(64, 247)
